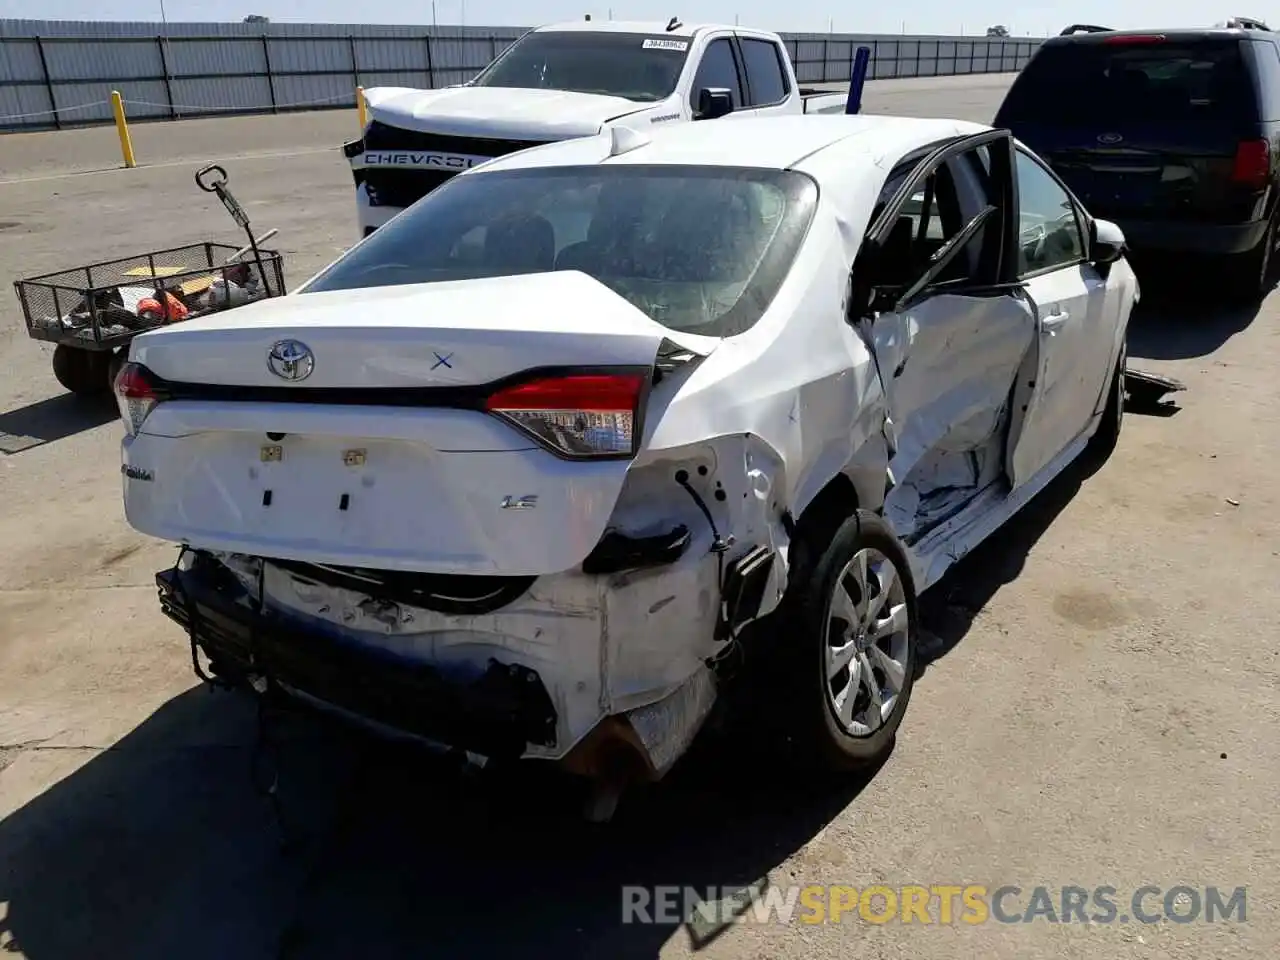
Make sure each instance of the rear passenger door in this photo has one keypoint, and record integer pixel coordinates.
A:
(948, 352)
(768, 84)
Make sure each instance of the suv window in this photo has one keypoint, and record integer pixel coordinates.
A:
(765, 79)
(700, 249)
(1049, 234)
(719, 68)
(1101, 85)
(1268, 60)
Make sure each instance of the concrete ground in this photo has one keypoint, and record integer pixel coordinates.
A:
(1100, 710)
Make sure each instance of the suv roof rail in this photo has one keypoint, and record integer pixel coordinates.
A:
(1247, 23)
(1084, 28)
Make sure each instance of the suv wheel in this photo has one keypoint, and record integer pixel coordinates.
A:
(1250, 276)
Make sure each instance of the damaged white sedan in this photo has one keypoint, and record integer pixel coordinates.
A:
(514, 473)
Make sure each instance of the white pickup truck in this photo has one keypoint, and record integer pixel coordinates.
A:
(563, 81)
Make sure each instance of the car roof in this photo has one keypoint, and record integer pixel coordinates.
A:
(654, 27)
(1179, 33)
(778, 143)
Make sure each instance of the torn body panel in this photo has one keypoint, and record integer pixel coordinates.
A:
(800, 387)
(950, 365)
(602, 646)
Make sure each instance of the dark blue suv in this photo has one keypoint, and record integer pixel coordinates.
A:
(1172, 134)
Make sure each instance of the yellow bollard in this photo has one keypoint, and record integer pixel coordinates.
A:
(122, 128)
(361, 108)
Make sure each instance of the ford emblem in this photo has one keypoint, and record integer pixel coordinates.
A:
(1109, 138)
(291, 360)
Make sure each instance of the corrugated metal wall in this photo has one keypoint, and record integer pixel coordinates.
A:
(59, 73)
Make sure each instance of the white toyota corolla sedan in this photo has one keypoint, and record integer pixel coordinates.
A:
(513, 474)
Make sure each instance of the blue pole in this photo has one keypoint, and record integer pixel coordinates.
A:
(861, 60)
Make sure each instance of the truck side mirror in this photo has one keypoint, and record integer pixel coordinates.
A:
(713, 103)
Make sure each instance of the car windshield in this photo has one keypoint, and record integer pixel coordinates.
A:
(633, 66)
(1105, 84)
(698, 249)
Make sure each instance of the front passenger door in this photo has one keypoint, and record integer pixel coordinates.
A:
(718, 70)
(1073, 339)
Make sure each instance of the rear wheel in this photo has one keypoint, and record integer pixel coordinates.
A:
(117, 361)
(852, 660)
(1250, 276)
(83, 372)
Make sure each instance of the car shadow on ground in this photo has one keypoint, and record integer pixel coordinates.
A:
(161, 847)
(56, 418)
(1180, 318)
(164, 845)
(949, 609)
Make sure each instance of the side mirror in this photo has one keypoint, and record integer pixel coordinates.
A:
(1106, 242)
(713, 103)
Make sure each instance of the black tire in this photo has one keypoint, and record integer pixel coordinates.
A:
(83, 372)
(818, 737)
(118, 358)
(1103, 443)
(1250, 276)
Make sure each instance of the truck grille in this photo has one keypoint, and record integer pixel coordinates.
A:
(382, 137)
(402, 188)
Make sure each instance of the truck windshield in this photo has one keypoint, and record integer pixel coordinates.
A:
(698, 249)
(633, 66)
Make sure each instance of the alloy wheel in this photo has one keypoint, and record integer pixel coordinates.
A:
(868, 642)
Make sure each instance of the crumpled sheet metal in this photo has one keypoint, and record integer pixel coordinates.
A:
(667, 727)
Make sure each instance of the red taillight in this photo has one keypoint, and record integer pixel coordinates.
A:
(1253, 164)
(576, 415)
(1135, 38)
(136, 395)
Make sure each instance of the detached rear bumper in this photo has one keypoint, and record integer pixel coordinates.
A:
(497, 715)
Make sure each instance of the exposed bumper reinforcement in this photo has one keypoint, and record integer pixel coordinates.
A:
(496, 715)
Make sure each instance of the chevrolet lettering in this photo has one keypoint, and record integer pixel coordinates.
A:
(429, 161)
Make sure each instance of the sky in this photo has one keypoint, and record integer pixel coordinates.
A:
(911, 16)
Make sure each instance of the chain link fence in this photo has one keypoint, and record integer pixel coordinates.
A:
(55, 75)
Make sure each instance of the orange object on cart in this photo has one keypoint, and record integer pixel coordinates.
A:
(149, 309)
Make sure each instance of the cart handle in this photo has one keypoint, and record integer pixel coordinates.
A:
(203, 174)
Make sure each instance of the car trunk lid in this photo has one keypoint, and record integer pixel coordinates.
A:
(385, 455)
(422, 335)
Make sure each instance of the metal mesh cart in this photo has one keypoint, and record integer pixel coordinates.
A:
(93, 312)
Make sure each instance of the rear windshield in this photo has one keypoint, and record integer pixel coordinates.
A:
(1101, 84)
(634, 66)
(699, 249)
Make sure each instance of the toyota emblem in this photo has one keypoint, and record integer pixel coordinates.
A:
(291, 360)
(1109, 138)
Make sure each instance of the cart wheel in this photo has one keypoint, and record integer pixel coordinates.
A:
(83, 372)
(118, 358)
